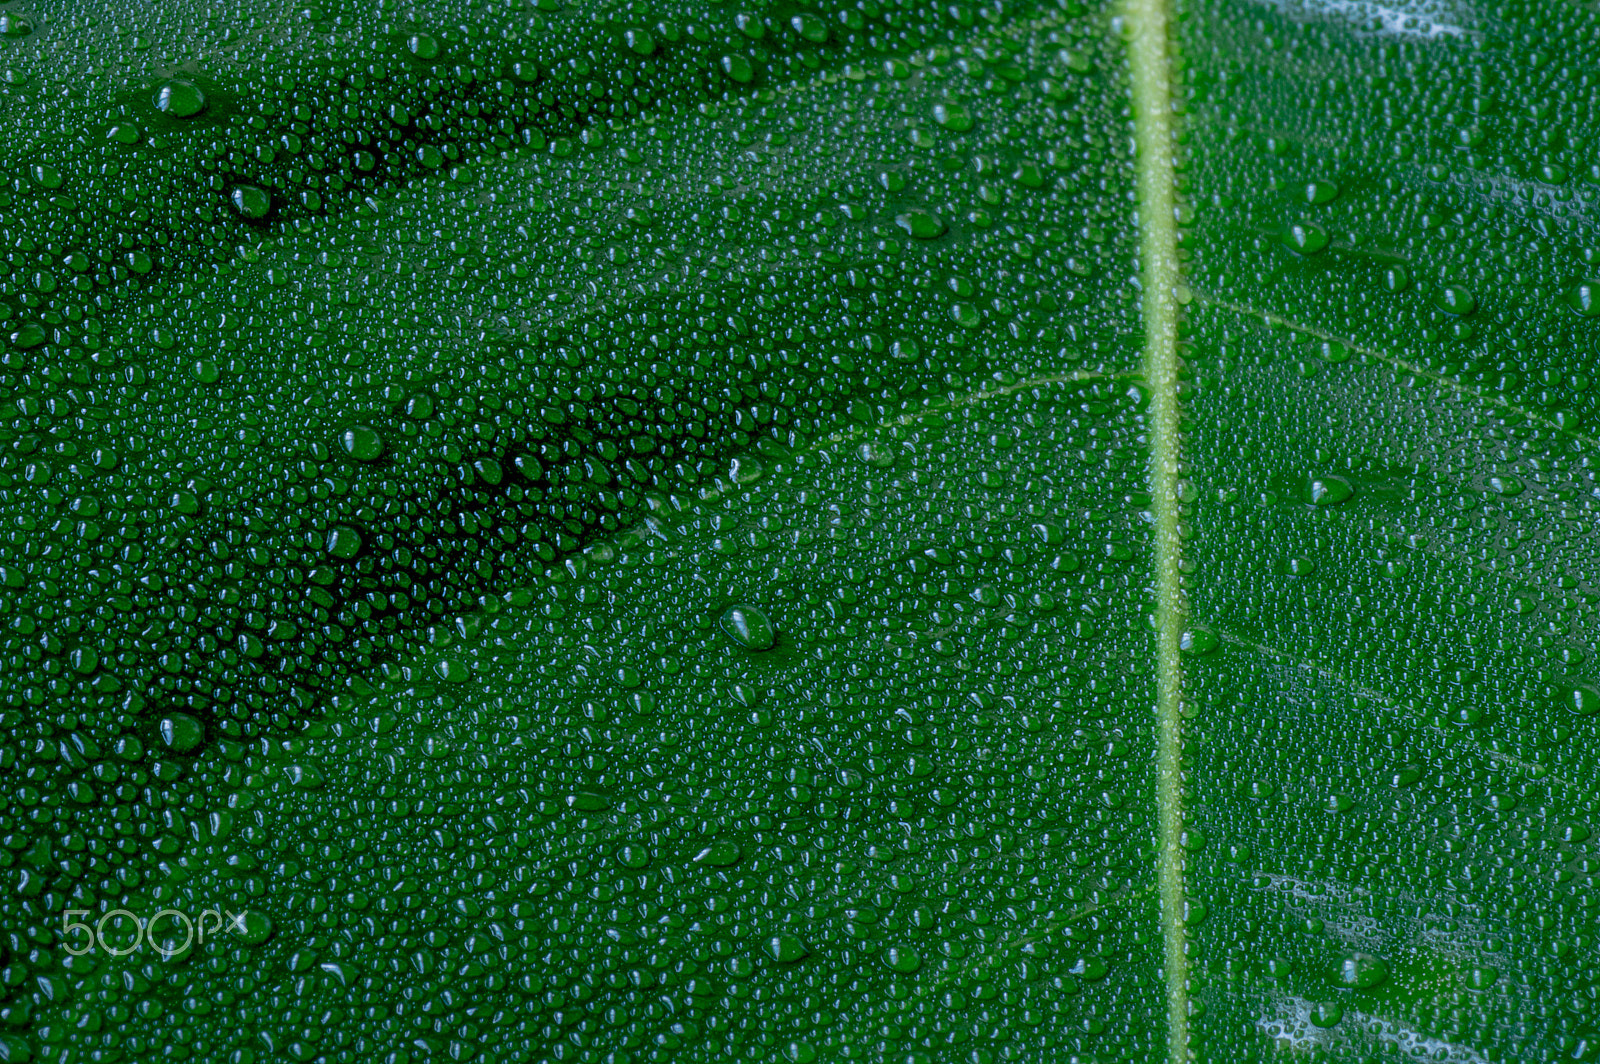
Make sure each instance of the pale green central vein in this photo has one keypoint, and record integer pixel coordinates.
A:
(1146, 25)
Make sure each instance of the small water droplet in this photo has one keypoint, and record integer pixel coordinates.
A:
(1505, 485)
(744, 470)
(253, 928)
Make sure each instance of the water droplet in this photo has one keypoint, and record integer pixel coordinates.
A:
(1454, 299)
(1505, 485)
(876, 454)
(786, 948)
(810, 27)
(423, 45)
(1584, 299)
(1328, 491)
(1326, 1014)
(252, 202)
(1318, 192)
(1361, 971)
(181, 732)
(749, 627)
(902, 959)
(588, 802)
(361, 443)
(953, 117)
(1333, 351)
(253, 928)
(922, 225)
(451, 671)
(633, 856)
(744, 470)
(343, 541)
(180, 99)
(1305, 238)
(720, 854)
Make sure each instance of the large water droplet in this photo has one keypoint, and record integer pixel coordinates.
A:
(1584, 298)
(1328, 491)
(786, 948)
(343, 541)
(181, 732)
(1361, 971)
(720, 854)
(749, 627)
(1305, 238)
(1454, 299)
(361, 443)
(252, 202)
(922, 225)
(180, 99)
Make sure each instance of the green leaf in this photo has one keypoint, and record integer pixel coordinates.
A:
(902, 532)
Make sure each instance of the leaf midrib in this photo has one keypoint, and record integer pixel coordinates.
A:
(1145, 26)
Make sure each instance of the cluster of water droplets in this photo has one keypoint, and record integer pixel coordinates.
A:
(1390, 350)
(345, 353)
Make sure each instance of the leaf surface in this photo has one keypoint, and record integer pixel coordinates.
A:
(894, 532)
